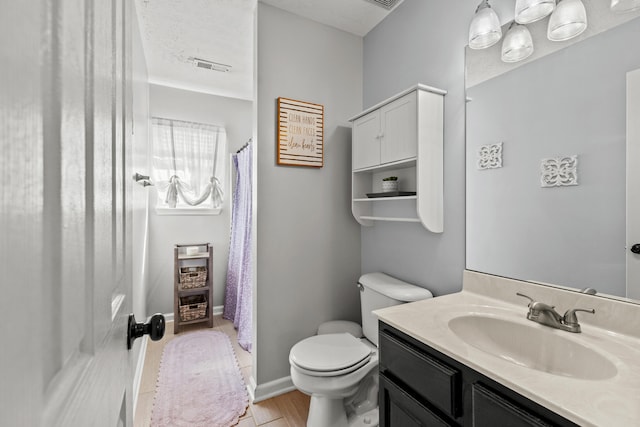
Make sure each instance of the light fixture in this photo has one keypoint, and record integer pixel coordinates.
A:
(517, 44)
(622, 6)
(528, 11)
(484, 30)
(567, 21)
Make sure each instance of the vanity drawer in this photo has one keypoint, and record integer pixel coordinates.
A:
(489, 406)
(428, 377)
(398, 408)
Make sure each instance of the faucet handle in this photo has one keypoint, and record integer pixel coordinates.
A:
(570, 317)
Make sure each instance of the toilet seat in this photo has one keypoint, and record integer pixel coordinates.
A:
(329, 355)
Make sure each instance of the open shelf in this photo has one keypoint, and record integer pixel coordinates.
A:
(391, 219)
(388, 199)
(196, 256)
(400, 164)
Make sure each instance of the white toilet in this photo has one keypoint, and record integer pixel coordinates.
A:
(338, 367)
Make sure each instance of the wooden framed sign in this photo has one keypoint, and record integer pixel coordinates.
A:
(300, 133)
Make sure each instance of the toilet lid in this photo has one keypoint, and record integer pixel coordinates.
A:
(329, 353)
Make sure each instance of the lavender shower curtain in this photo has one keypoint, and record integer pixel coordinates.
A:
(238, 300)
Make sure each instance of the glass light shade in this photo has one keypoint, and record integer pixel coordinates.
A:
(528, 11)
(517, 44)
(567, 21)
(622, 6)
(484, 30)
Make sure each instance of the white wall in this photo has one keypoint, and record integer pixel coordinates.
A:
(422, 41)
(167, 230)
(308, 242)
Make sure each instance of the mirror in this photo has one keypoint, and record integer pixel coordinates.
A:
(562, 111)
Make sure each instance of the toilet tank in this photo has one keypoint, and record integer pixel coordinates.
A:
(379, 290)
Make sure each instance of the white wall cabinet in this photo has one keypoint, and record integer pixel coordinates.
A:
(403, 137)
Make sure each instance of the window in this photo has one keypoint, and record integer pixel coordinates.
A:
(188, 166)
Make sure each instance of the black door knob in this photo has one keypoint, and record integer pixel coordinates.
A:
(636, 248)
(155, 329)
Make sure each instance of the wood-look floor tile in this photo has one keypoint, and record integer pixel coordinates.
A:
(143, 410)
(247, 414)
(246, 374)
(218, 320)
(294, 407)
(265, 411)
(280, 422)
(149, 374)
(243, 356)
(246, 422)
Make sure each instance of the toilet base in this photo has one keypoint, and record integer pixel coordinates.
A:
(325, 412)
(368, 419)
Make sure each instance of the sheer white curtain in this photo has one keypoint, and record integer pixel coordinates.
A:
(188, 163)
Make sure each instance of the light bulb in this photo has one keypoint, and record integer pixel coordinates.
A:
(517, 44)
(567, 21)
(622, 6)
(484, 30)
(528, 11)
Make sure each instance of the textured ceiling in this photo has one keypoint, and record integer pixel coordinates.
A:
(353, 16)
(216, 30)
(222, 31)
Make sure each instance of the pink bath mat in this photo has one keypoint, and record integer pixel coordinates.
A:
(199, 383)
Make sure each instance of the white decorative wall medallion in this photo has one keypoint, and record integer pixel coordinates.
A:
(559, 171)
(490, 156)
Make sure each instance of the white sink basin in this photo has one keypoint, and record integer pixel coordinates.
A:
(534, 346)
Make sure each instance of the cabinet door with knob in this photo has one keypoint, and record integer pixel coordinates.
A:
(399, 129)
(387, 134)
(366, 141)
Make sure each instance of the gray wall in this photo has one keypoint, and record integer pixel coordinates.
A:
(422, 41)
(167, 230)
(578, 106)
(308, 241)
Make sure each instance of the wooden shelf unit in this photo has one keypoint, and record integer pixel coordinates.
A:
(204, 257)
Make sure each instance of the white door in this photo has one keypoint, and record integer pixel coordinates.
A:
(64, 221)
(633, 183)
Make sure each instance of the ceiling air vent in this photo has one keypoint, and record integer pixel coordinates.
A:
(387, 4)
(210, 65)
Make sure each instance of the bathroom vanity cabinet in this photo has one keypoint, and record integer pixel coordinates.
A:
(420, 386)
(401, 136)
(193, 285)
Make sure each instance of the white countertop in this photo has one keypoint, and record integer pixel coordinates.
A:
(609, 402)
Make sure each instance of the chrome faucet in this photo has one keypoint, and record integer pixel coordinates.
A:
(547, 315)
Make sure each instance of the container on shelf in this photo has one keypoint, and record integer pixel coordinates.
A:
(389, 186)
(193, 277)
(193, 307)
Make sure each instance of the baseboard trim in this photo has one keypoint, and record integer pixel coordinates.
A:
(217, 309)
(271, 389)
(251, 388)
